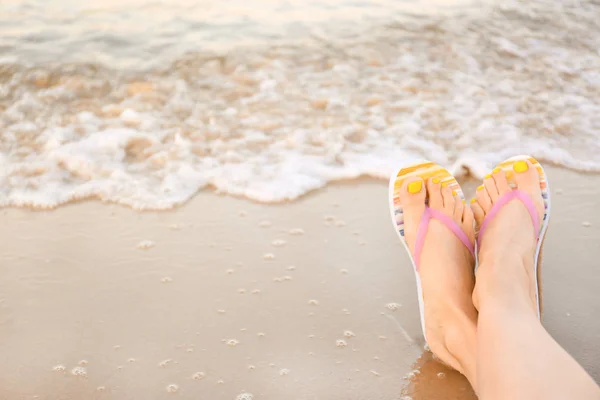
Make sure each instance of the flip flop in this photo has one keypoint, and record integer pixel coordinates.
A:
(540, 226)
(424, 170)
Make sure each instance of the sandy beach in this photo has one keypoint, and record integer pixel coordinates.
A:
(224, 297)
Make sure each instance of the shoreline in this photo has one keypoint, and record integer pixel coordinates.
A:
(309, 298)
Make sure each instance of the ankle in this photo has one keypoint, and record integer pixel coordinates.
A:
(506, 282)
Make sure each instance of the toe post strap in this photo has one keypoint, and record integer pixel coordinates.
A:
(501, 202)
(446, 221)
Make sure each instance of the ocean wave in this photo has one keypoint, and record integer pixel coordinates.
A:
(271, 124)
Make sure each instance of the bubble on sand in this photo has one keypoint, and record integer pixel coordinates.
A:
(261, 334)
(356, 233)
(311, 336)
(251, 367)
(362, 243)
(165, 363)
(382, 337)
(278, 242)
(79, 371)
(242, 213)
(243, 329)
(82, 362)
(441, 375)
(244, 396)
(256, 291)
(220, 382)
(100, 388)
(586, 224)
(189, 350)
(241, 291)
(345, 311)
(131, 360)
(221, 311)
(172, 388)
(340, 223)
(229, 271)
(277, 279)
(313, 302)
(145, 244)
(116, 347)
(198, 376)
(374, 372)
(343, 271)
(393, 306)
(120, 367)
(269, 256)
(291, 268)
(264, 224)
(287, 278)
(341, 343)
(232, 342)
(329, 218)
(559, 191)
(174, 227)
(59, 368)
(284, 372)
(166, 279)
(349, 334)
(297, 231)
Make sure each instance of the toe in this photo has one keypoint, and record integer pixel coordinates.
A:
(459, 206)
(490, 186)
(483, 198)
(434, 190)
(448, 198)
(412, 192)
(500, 178)
(526, 176)
(478, 212)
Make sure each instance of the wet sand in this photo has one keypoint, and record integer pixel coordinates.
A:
(221, 297)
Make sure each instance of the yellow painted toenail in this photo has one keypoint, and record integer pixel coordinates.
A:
(479, 188)
(435, 180)
(520, 166)
(444, 184)
(509, 174)
(496, 170)
(488, 176)
(415, 187)
(464, 201)
(454, 193)
(473, 200)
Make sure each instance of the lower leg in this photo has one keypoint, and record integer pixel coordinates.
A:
(517, 358)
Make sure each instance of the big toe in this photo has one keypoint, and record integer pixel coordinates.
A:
(527, 177)
(412, 193)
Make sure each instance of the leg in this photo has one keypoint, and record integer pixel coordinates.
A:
(516, 357)
(446, 272)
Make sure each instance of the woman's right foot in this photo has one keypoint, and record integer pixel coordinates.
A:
(507, 251)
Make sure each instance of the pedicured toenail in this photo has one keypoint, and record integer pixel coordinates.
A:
(496, 170)
(473, 200)
(520, 166)
(415, 187)
(488, 176)
(435, 180)
(479, 188)
(454, 193)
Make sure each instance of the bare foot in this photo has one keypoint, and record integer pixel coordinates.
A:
(508, 246)
(446, 271)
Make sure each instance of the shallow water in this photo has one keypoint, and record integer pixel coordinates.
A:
(145, 103)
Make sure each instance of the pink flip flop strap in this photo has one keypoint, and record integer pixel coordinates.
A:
(424, 227)
(501, 202)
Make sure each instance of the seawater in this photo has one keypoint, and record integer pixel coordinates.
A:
(145, 103)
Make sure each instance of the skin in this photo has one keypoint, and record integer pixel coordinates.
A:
(488, 328)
